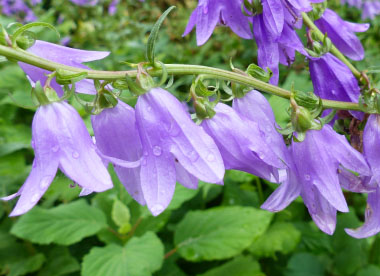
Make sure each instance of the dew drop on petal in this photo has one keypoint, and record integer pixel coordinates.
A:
(211, 157)
(205, 9)
(45, 182)
(75, 155)
(333, 92)
(261, 155)
(55, 148)
(34, 198)
(173, 129)
(157, 150)
(307, 177)
(193, 156)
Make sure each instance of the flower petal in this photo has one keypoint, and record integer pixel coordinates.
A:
(184, 178)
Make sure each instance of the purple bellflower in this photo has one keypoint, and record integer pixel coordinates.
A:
(325, 151)
(241, 143)
(117, 137)
(370, 8)
(174, 148)
(342, 34)
(63, 55)
(85, 2)
(210, 13)
(333, 80)
(60, 140)
(371, 147)
(256, 107)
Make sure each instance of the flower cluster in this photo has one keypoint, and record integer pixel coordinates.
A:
(157, 144)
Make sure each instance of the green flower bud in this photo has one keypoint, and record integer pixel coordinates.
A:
(301, 119)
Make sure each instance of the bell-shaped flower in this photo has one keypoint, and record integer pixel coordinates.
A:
(342, 34)
(333, 80)
(317, 161)
(60, 140)
(241, 143)
(371, 147)
(210, 13)
(256, 108)
(64, 55)
(174, 148)
(117, 137)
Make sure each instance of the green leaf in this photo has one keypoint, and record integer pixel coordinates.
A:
(59, 262)
(121, 216)
(219, 233)
(150, 48)
(139, 257)
(281, 237)
(240, 266)
(65, 224)
(13, 138)
(302, 264)
(27, 265)
(181, 195)
(370, 270)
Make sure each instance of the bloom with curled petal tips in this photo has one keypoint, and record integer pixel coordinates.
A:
(371, 147)
(117, 136)
(317, 160)
(342, 34)
(241, 143)
(63, 55)
(210, 13)
(60, 140)
(174, 148)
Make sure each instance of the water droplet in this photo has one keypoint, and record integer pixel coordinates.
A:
(333, 92)
(35, 198)
(205, 9)
(143, 162)
(55, 148)
(261, 155)
(174, 129)
(75, 154)
(45, 182)
(307, 177)
(193, 156)
(211, 157)
(157, 209)
(315, 182)
(157, 150)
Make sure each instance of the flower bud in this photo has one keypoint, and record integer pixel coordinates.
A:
(301, 119)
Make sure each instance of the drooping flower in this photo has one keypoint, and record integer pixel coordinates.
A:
(333, 80)
(174, 148)
(316, 163)
(117, 137)
(60, 140)
(241, 143)
(63, 55)
(371, 147)
(370, 8)
(210, 13)
(318, 159)
(85, 2)
(342, 34)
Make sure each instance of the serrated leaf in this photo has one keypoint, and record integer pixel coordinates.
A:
(121, 216)
(281, 237)
(219, 233)
(139, 257)
(65, 224)
(240, 266)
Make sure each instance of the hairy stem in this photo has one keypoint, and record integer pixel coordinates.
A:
(172, 69)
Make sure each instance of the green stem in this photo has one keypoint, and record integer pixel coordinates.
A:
(172, 69)
(310, 24)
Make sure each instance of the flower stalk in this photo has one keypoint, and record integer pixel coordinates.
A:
(172, 69)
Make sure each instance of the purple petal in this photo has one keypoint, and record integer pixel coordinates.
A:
(184, 178)
(117, 136)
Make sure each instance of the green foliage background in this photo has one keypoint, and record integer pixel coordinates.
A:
(215, 230)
